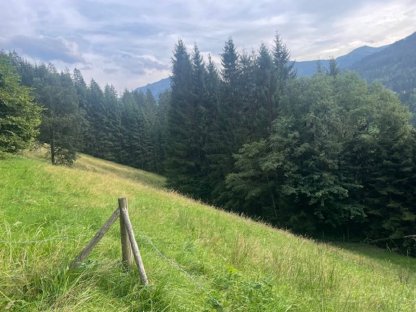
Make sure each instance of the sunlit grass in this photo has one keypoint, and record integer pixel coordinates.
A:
(197, 258)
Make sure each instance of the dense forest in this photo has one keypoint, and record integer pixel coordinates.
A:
(327, 156)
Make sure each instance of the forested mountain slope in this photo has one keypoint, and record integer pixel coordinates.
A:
(394, 66)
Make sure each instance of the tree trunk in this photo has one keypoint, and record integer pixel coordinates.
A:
(53, 148)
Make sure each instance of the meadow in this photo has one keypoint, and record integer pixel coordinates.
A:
(197, 258)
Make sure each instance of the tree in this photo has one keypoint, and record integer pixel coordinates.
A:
(182, 151)
(228, 133)
(284, 68)
(19, 115)
(160, 131)
(61, 120)
(82, 94)
(266, 88)
(333, 68)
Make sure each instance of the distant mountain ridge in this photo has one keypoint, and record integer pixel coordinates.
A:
(156, 88)
(308, 68)
(394, 65)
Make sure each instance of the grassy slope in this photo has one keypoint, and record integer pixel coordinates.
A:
(197, 258)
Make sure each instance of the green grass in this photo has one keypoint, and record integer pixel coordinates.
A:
(197, 258)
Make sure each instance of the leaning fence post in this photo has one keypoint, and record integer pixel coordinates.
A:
(127, 259)
(94, 241)
(136, 252)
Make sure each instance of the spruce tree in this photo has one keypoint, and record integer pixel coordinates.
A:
(229, 123)
(181, 164)
(61, 122)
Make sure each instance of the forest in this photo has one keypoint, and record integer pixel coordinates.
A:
(330, 156)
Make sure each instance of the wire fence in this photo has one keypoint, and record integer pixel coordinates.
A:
(172, 262)
(63, 238)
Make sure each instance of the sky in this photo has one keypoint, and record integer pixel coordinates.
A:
(129, 43)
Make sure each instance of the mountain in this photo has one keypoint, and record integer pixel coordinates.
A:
(358, 54)
(308, 68)
(156, 88)
(394, 66)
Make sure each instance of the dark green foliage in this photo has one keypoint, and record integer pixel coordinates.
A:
(339, 161)
(61, 122)
(56, 94)
(228, 134)
(136, 146)
(160, 135)
(185, 148)
(19, 116)
(410, 102)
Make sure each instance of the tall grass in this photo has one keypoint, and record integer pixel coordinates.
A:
(197, 258)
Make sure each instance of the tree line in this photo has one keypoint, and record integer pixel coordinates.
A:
(80, 117)
(326, 156)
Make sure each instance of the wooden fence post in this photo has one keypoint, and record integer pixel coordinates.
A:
(127, 259)
(129, 245)
(136, 252)
(97, 237)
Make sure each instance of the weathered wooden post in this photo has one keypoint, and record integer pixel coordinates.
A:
(135, 248)
(94, 241)
(129, 245)
(126, 254)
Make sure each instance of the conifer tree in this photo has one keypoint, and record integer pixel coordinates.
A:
(96, 118)
(61, 122)
(212, 125)
(160, 131)
(181, 163)
(266, 108)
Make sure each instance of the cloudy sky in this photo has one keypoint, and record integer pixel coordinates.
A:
(129, 43)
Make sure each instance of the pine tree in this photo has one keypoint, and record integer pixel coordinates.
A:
(82, 94)
(266, 87)
(228, 131)
(182, 161)
(95, 116)
(161, 135)
(211, 124)
(133, 140)
(333, 68)
(61, 122)
(112, 124)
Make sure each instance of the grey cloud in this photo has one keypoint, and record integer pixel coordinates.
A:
(44, 48)
(131, 42)
(138, 64)
(110, 70)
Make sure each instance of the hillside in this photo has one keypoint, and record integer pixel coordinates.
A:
(197, 258)
(394, 66)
